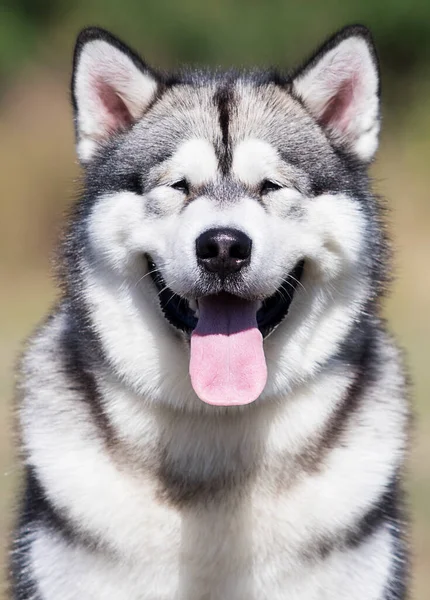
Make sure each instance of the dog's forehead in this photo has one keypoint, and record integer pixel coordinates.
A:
(226, 114)
(186, 108)
(244, 108)
(269, 113)
(260, 110)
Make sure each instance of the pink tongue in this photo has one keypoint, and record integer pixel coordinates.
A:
(227, 364)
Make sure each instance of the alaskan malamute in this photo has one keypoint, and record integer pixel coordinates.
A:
(214, 410)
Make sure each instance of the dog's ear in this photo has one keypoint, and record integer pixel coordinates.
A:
(111, 89)
(339, 86)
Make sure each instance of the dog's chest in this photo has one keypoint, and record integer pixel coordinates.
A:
(235, 550)
(201, 510)
(231, 528)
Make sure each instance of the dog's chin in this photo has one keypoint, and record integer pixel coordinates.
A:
(183, 314)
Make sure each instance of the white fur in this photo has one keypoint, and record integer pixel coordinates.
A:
(324, 308)
(255, 160)
(194, 160)
(165, 552)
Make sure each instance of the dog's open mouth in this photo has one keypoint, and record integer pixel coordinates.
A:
(272, 311)
(227, 361)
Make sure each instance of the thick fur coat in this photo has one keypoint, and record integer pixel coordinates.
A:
(280, 481)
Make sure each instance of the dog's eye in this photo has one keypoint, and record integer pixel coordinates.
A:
(269, 186)
(181, 186)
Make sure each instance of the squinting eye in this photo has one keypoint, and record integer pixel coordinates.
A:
(181, 186)
(269, 186)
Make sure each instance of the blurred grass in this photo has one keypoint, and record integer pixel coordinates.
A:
(39, 174)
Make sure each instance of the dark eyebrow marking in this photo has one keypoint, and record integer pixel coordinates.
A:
(224, 99)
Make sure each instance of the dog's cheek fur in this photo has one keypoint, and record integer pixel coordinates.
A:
(330, 237)
(117, 289)
(333, 291)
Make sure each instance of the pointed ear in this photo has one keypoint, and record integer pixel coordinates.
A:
(111, 89)
(340, 87)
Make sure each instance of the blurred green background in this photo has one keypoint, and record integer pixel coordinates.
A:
(39, 172)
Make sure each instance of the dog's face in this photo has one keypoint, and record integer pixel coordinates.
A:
(224, 208)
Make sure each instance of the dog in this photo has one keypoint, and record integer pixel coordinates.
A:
(214, 409)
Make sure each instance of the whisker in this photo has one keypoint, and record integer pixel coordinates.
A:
(166, 287)
(159, 292)
(170, 299)
(297, 281)
(281, 293)
(146, 275)
(289, 283)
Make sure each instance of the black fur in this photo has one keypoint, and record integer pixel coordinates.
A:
(23, 583)
(36, 511)
(79, 361)
(399, 582)
(39, 512)
(224, 101)
(385, 513)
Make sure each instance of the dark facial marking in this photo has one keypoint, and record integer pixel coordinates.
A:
(224, 99)
(153, 208)
(294, 212)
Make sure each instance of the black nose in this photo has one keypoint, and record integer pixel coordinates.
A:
(223, 251)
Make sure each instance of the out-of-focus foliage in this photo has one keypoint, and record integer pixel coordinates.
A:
(243, 31)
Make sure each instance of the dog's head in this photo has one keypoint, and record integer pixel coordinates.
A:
(231, 209)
